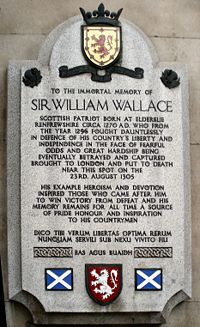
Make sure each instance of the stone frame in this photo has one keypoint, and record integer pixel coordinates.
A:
(13, 206)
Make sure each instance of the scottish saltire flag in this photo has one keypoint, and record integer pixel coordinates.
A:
(59, 279)
(148, 279)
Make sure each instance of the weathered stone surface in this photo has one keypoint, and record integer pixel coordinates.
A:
(195, 157)
(3, 214)
(23, 17)
(185, 50)
(194, 117)
(31, 174)
(175, 179)
(181, 315)
(18, 47)
(162, 18)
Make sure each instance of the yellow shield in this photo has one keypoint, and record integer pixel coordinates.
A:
(101, 44)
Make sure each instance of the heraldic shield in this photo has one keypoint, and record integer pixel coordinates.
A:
(103, 282)
(101, 45)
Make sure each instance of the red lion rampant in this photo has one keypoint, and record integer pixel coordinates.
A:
(100, 44)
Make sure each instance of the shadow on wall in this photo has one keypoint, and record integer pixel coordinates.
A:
(29, 324)
(2, 307)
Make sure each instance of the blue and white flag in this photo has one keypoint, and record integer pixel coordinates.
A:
(148, 279)
(59, 279)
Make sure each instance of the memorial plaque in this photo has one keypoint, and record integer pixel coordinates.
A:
(99, 176)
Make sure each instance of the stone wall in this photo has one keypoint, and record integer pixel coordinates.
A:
(174, 28)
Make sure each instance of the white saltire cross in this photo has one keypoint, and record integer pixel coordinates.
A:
(148, 279)
(59, 279)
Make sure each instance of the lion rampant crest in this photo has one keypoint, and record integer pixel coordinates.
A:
(102, 281)
(100, 46)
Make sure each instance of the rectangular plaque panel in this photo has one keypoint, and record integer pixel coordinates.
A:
(103, 179)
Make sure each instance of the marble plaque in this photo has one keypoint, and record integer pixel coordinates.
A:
(99, 183)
